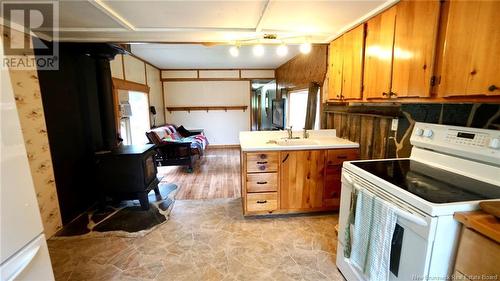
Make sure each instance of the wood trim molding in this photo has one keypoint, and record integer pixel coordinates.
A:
(146, 73)
(121, 84)
(123, 67)
(163, 99)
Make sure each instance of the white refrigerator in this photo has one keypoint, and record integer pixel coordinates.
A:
(23, 250)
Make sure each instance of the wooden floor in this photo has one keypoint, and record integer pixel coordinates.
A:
(215, 175)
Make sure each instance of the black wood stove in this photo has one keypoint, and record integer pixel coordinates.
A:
(127, 172)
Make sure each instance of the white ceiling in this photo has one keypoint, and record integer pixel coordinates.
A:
(193, 56)
(209, 20)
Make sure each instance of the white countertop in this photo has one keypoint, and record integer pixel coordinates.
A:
(318, 139)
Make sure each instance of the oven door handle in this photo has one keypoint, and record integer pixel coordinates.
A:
(400, 213)
(409, 216)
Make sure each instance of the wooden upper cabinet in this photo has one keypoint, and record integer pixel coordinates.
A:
(335, 69)
(415, 38)
(471, 53)
(378, 54)
(352, 70)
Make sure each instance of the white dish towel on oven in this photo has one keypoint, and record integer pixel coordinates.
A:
(374, 225)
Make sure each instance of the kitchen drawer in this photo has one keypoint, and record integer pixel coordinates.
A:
(337, 156)
(262, 162)
(262, 182)
(258, 202)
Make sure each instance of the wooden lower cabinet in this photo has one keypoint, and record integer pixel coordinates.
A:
(477, 256)
(304, 181)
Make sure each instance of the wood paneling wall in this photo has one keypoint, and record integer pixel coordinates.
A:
(368, 126)
(303, 69)
(372, 132)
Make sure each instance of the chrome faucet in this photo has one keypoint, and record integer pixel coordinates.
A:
(290, 132)
(306, 133)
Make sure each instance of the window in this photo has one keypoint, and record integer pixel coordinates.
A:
(133, 127)
(297, 109)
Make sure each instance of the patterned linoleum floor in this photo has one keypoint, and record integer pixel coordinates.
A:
(207, 240)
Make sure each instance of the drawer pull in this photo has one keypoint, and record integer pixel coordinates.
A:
(342, 157)
(262, 162)
(262, 182)
(261, 201)
(263, 156)
(286, 158)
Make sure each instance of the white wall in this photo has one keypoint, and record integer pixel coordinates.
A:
(155, 94)
(221, 127)
(140, 72)
(116, 66)
(134, 69)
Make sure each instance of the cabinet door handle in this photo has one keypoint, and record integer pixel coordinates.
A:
(262, 182)
(384, 94)
(286, 158)
(261, 201)
(262, 162)
(263, 156)
(393, 94)
(492, 88)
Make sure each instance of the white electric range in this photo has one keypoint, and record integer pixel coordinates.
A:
(450, 169)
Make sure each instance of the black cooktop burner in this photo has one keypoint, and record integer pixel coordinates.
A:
(432, 184)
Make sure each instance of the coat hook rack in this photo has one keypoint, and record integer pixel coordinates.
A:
(206, 108)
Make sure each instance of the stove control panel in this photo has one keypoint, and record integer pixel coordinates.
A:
(480, 144)
(465, 138)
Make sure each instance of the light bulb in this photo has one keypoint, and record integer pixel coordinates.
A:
(258, 50)
(234, 51)
(282, 50)
(305, 48)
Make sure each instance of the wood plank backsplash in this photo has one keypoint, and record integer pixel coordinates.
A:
(370, 125)
(372, 132)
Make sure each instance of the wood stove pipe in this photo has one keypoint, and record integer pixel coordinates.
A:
(105, 93)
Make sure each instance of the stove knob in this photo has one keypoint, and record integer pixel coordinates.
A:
(419, 131)
(494, 143)
(427, 133)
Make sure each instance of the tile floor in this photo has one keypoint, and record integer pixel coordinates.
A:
(207, 240)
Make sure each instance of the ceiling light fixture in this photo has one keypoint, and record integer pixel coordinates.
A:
(305, 48)
(234, 51)
(282, 50)
(258, 50)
